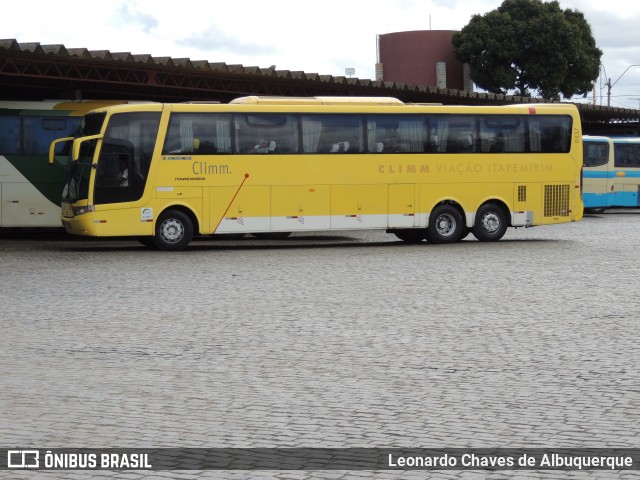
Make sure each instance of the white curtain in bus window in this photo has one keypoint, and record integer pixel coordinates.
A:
(186, 136)
(502, 134)
(413, 136)
(396, 133)
(453, 133)
(333, 133)
(266, 133)
(311, 128)
(198, 133)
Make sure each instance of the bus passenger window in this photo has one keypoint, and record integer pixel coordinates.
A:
(550, 134)
(39, 132)
(10, 135)
(332, 133)
(266, 133)
(198, 134)
(396, 134)
(453, 133)
(595, 154)
(502, 134)
(626, 155)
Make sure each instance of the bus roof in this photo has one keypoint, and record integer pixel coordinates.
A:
(253, 99)
(343, 105)
(73, 107)
(595, 138)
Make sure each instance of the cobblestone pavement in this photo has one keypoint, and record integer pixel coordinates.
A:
(345, 339)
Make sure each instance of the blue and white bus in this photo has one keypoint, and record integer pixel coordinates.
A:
(611, 172)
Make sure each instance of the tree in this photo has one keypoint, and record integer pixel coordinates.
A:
(527, 45)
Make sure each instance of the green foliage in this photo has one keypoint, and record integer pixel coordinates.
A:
(527, 45)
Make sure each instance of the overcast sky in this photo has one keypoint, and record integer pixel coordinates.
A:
(320, 36)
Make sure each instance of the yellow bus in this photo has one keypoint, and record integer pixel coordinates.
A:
(271, 166)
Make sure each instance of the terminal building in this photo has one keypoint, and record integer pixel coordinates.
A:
(414, 67)
(421, 57)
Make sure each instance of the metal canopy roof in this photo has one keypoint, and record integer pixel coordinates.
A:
(32, 71)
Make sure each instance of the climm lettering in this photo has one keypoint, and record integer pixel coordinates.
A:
(406, 168)
(204, 168)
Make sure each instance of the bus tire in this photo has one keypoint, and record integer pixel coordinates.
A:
(595, 210)
(174, 231)
(491, 223)
(445, 225)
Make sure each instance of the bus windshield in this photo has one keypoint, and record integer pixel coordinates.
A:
(124, 160)
(78, 173)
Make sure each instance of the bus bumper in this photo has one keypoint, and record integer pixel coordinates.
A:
(81, 225)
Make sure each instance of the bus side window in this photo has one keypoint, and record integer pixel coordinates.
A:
(627, 155)
(266, 133)
(502, 134)
(396, 134)
(333, 133)
(595, 154)
(39, 132)
(114, 153)
(549, 134)
(10, 134)
(453, 133)
(635, 156)
(198, 133)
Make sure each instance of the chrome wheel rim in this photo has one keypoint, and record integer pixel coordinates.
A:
(490, 222)
(445, 225)
(171, 230)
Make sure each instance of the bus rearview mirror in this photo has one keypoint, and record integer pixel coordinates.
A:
(52, 148)
(75, 151)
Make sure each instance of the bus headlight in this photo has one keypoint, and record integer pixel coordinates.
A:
(82, 210)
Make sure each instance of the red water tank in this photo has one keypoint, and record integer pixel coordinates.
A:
(420, 57)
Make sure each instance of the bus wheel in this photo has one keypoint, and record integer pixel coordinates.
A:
(410, 235)
(445, 225)
(595, 210)
(174, 231)
(271, 235)
(491, 223)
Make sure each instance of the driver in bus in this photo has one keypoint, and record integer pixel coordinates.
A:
(123, 176)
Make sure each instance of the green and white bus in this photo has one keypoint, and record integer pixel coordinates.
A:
(30, 188)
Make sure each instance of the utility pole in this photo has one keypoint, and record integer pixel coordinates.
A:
(610, 86)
